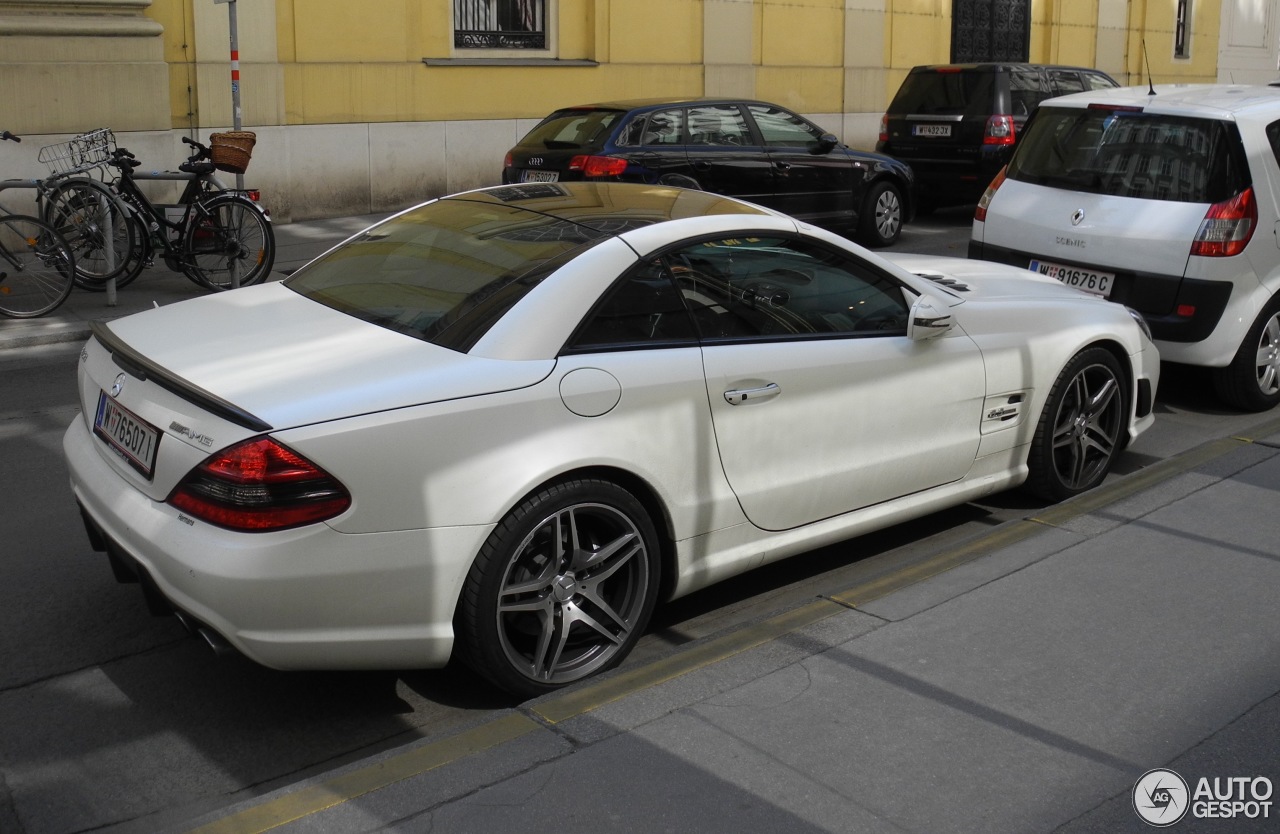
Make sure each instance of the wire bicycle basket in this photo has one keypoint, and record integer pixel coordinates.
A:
(79, 153)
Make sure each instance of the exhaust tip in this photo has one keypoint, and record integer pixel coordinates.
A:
(216, 642)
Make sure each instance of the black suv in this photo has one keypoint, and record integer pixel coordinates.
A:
(956, 124)
(751, 150)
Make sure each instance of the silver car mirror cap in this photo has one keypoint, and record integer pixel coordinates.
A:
(928, 319)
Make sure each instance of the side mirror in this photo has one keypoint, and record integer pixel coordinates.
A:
(928, 319)
(825, 144)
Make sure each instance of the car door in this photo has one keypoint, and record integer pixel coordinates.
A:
(656, 142)
(821, 404)
(813, 179)
(726, 157)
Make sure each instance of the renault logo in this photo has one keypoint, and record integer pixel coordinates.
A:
(118, 386)
(1077, 217)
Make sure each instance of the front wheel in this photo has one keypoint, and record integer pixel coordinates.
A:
(228, 242)
(880, 220)
(94, 222)
(1081, 431)
(37, 267)
(1252, 381)
(562, 589)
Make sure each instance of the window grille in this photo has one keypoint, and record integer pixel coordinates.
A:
(500, 24)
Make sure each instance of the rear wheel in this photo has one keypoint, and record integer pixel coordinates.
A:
(880, 221)
(1252, 381)
(227, 243)
(100, 232)
(562, 589)
(37, 267)
(1081, 430)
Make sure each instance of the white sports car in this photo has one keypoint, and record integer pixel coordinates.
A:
(505, 423)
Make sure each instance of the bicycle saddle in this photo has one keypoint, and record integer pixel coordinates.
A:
(196, 167)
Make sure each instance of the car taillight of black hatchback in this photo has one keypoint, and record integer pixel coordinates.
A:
(257, 486)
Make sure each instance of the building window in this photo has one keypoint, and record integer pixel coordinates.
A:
(500, 24)
(1182, 31)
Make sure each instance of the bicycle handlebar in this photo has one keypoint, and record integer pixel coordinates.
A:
(4, 134)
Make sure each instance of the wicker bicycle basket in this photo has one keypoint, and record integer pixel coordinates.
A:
(230, 151)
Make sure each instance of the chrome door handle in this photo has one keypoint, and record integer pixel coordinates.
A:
(738, 396)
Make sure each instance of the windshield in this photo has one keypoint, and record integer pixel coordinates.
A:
(444, 272)
(1129, 153)
(572, 129)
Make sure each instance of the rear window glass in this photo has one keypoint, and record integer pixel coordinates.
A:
(573, 129)
(445, 272)
(1132, 154)
(946, 94)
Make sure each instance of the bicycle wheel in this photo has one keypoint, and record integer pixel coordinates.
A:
(101, 234)
(37, 267)
(140, 257)
(228, 241)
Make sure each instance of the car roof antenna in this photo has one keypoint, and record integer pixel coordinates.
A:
(1151, 82)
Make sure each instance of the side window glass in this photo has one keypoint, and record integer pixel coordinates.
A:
(1098, 81)
(721, 124)
(1273, 136)
(1065, 82)
(666, 127)
(643, 309)
(1025, 92)
(632, 134)
(749, 288)
(782, 129)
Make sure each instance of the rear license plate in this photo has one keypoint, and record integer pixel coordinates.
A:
(931, 130)
(1087, 280)
(540, 176)
(133, 438)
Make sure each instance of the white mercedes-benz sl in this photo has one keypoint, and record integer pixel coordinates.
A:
(504, 424)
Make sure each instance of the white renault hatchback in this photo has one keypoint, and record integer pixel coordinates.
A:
(1163, 199)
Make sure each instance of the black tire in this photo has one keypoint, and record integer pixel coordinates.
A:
(562, 589)
(101, 233)
(679, 181)
(37, 267)
(1252, 381)
(1082, 428)
(139, 259)
(228, 241)
(880, 218)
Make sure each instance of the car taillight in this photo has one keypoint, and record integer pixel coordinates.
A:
(1227, 227)
(507, 161)
(259, 485)
(598, 166)
(980, 213)
(884, 128)
(999, 131)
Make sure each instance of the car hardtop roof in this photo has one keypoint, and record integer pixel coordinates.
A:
(997, 66)
(643, 104)
(1218, 101)
(603, 203)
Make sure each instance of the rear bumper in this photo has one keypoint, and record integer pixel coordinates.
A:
(1158, 297)
(308, 598)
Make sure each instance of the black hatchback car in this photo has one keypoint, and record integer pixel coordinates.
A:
(956, 124)
(751, 150)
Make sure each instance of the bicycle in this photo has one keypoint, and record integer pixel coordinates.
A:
(222, 239)
(99, 235)
(37, 266)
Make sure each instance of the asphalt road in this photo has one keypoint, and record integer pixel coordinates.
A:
(114, 720)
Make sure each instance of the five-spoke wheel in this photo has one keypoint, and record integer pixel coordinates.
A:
(562, 589)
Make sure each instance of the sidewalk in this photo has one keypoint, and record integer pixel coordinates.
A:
(1021, 683)
(296, 243)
